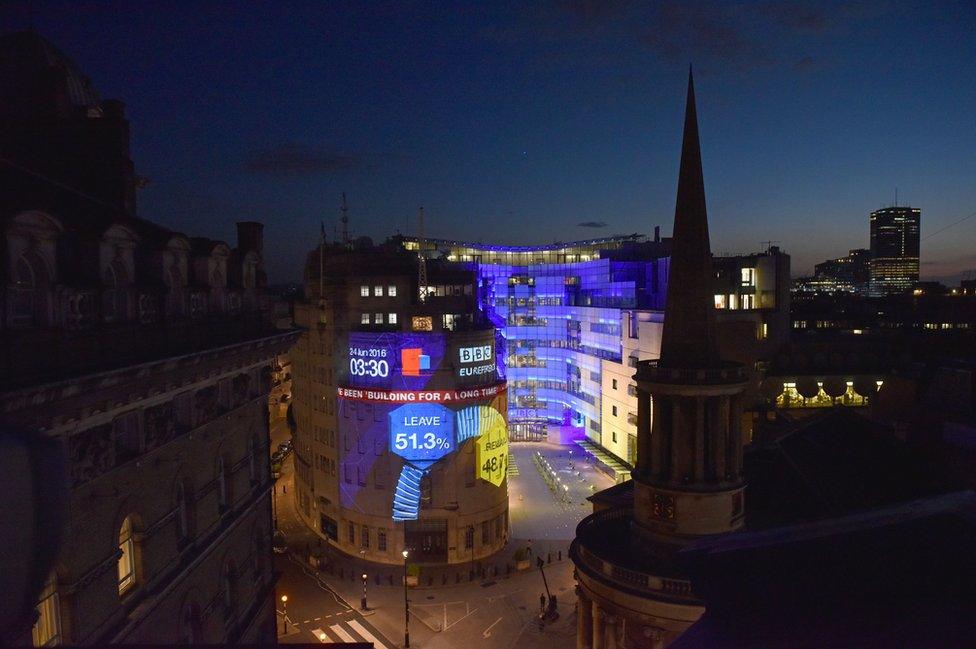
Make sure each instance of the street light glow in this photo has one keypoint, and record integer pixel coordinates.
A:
(284, 598)
(405, 554)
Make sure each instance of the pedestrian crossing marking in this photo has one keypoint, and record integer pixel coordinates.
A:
(342, 633)
(361, 630)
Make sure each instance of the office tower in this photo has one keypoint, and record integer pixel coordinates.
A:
(894, 249)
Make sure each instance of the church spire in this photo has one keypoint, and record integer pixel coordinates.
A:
(689, 338)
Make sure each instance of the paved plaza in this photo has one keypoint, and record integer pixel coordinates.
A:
(483, 604)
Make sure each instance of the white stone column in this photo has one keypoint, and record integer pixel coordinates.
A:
(598, 630)
(584, 622)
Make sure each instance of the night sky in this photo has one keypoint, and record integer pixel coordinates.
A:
(531, 122)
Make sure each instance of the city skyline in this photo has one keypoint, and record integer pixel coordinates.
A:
(523, 121)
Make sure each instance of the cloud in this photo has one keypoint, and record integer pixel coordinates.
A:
(592, 224)
(297, 159)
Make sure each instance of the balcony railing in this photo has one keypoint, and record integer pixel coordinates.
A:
(728, 373)
(617, 563)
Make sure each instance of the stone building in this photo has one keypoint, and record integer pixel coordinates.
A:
(688, 482)
(369, 344)
(139, 360)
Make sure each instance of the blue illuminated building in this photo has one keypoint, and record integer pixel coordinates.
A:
(560, 308)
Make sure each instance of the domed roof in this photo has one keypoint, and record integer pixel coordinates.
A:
(35, 77)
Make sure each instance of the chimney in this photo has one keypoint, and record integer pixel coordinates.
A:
(250, 236)
(657, 234)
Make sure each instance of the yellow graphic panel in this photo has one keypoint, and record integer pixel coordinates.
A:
(492, 447)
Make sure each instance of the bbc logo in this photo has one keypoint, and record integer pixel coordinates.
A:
(474, 354)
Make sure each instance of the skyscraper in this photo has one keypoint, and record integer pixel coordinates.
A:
(894, 249)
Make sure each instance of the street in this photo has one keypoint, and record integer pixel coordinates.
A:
(492, 611)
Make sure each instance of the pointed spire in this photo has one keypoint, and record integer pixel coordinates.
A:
(689, 339)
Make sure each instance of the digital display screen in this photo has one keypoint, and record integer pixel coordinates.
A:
(395, 360)
(422, 433)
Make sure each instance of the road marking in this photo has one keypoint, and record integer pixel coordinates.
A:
(339, 631)
(361, 630)
(487, 632)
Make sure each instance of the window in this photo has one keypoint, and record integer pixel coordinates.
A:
(485, 533)
(47, 628)
(614, 436)
(391, 290)
(720, 302)
(764, 331)
(469, 538)
(364, 318)
(364, 540)
(378, 291)
(126, 563)
(614, 384)
(748, 276)
(391, 318)
(733, 301)
(613, 409)
(381, 534)
(363, 291)
(378, 318)
(352, 532)
(422, 323)
(748, 301)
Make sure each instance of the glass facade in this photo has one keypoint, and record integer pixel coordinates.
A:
(560, 310)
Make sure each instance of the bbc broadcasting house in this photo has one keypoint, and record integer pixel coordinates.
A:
(401, 405)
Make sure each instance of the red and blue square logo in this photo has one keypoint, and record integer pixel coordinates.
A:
(413, 360)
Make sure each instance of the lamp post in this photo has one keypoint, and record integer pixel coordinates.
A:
(362, 604)
(284, 613)
(406, 604)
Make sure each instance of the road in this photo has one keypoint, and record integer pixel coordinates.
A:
(496, 613)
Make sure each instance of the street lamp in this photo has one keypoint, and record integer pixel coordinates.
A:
(406, 604)
(284, 612)
(362, 604)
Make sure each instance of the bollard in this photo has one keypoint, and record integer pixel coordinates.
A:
(560, 555)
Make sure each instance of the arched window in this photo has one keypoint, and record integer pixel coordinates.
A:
(176, 298)
(222, 490)
(28, 283)
(114, 280)
(127, 561)
(47, 628)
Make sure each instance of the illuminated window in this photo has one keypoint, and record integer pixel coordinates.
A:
(733, 301)
(720, 302)
(363, 291)
(763, 331)
(364, 318)
(748, 276)
(47, 628)
(748, 301)
(391, 290)
(422, 323)
(378, 291)
(378, 318)
(391, 318)
(126, 563)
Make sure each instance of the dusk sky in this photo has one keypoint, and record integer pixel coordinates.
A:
(517, 122)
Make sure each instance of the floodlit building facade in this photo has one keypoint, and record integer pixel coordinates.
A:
(400, 405)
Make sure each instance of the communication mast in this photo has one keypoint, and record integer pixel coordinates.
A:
(421, 260)
(345, 221)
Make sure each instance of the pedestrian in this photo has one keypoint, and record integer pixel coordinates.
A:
(542, 603)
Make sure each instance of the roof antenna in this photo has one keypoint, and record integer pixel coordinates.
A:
(422, 261)
(345, 221)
